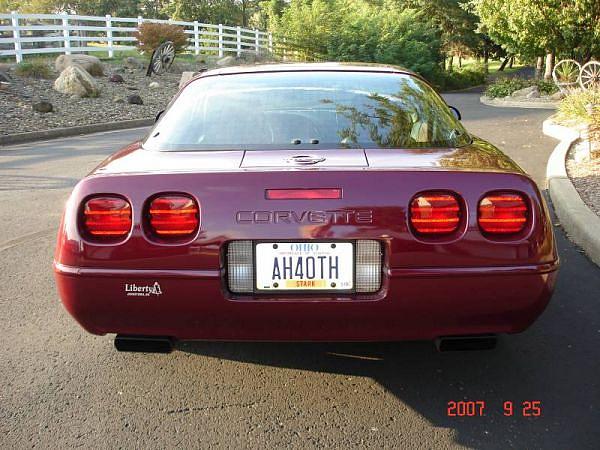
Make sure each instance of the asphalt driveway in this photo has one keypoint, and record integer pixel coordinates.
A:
(64, 388)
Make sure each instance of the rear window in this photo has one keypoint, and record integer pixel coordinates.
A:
(292, 110)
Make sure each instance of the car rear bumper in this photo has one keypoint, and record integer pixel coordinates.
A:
(412, 304)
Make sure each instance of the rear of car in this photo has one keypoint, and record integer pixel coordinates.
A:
(287, 204)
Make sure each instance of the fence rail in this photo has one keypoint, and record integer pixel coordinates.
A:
(30, 34)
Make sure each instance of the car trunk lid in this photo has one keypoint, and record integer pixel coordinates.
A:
(298, 159)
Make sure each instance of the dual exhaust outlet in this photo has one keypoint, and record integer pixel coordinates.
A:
(164, 344)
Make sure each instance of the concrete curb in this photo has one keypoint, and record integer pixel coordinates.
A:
(581, 224)
(73, 131)
(500, 103)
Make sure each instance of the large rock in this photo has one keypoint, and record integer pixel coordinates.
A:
(557, 96)
(227, 61)
(132, 62)
(523, 93)
(135, 99)
(89, 63)
(76, 81)
(42, 106)
(185, 77)
(115, 78)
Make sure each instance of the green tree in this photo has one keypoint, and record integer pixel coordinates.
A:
(534, 27)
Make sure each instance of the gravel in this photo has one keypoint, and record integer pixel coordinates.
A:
(16, 100)
(585, 176)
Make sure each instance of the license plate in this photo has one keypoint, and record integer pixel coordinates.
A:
(304, 266)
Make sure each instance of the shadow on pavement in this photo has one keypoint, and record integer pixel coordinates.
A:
(555, 361)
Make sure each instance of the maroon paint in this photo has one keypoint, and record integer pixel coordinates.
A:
(460, 284)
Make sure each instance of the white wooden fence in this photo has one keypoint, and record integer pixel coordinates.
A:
(31, 34)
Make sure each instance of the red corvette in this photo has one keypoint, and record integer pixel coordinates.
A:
(306, 202)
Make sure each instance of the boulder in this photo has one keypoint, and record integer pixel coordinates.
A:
(115, 78)
(557, 96)
(4, 78)
(76, 81)
(522, 93)
(132, 62)
(227, 61)
(42, 106)
(134, 99)
(185, 77)
(533, 94)
(154, 85)
(89, 63)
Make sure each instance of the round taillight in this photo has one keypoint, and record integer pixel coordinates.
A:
(107, 217)
(173, 216)
(435, 213)
(503, 213)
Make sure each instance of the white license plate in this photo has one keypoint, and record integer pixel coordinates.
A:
(304, 266)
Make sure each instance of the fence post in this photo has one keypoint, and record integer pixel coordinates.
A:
(220, 40)
(14, 20)
(109, 36)
(196, 41)
(239, 42)
(140, 20)
(66, 34)
(270, 42)
(256, 41)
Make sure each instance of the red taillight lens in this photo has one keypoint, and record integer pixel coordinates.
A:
(435, 213)
(107, 217)
(303, 194)
(173, 216)
(503, 213)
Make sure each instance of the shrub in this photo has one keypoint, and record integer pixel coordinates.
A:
(33, 69)
(462, 78)
(546, 87)
(574, 107)
(503, 87)
(151, 35)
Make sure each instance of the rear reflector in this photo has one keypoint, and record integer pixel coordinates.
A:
(107, 217)
(503, 213)
(435, 213)
(303, 194)
(368, 266)
(240, 267)
(173, 216)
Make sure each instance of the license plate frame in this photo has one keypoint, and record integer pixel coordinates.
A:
(312, 291)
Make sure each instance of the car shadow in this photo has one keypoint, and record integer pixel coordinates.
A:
(554, 362)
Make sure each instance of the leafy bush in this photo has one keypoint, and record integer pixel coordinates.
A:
(462, 78)
(151, 35)
(503, 87)
(33, 69)
(574, 107)
(360, 31)
(546, 87)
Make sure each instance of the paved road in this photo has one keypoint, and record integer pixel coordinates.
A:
(62, 387)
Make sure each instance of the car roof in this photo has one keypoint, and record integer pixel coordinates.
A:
(308, 67)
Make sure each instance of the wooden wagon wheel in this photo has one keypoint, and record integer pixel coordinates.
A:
(162, 58)
(589, 78)
(566, 74)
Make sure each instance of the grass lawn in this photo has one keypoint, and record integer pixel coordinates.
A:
(493, 65)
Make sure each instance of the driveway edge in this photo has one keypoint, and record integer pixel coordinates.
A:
(500, 103)
(580, 222)
(73, 131)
